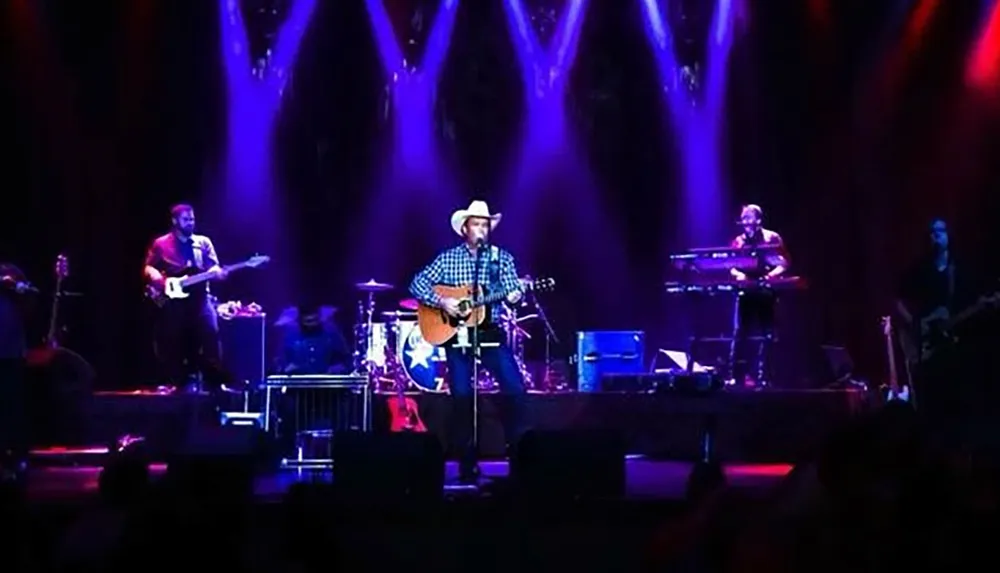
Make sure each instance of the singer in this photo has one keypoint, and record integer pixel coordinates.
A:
(458, 266)
(753, 318)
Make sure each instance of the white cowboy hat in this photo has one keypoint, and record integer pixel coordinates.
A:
(476, 209)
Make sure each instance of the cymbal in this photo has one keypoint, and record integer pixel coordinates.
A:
(398, 314)
(373, 286)
(409, 304)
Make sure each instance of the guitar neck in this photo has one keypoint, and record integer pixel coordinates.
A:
(489, 299)
(964, 315)
(890, 354)
(208, 275)
(50, 337)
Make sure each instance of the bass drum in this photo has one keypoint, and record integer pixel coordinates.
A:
(425, 366)
(422, 363)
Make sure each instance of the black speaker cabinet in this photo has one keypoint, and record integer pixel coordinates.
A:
(244, 347)
(397, 467)
(218, 461)
(570, 464)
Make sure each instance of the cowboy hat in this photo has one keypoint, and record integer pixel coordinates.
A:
(476, 209)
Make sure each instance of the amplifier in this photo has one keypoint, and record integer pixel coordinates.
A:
(603, 352)
(244, 347)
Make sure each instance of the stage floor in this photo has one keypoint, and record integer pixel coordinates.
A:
(645, 479)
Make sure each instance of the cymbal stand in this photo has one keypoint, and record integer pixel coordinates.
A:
(515, 340)
(362, 353)
(548, 384)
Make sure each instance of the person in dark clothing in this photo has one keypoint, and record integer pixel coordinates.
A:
(753, 319)
(312, 343)
(187, 330)
(13, 404)
(935, 301)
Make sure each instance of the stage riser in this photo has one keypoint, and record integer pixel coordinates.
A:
(761, 427)
(165, 421)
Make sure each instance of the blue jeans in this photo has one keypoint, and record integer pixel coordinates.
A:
(499, 360)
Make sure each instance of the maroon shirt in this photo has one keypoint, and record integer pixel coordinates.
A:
(174, 257)
(764, 237)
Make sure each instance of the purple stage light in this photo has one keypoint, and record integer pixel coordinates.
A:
(416, 181)
(413, 87)
(697, 121)
(255, 90)
(249, 206)
(544, 71)
(548, 161)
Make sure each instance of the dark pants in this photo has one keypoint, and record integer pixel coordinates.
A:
(499, 360)
(13, 411)
(187, 341)
(953, 394)
(753, 335)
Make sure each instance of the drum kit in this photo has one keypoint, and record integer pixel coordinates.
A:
(391, 350)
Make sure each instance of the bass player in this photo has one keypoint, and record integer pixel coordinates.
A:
(497, 274)
(934, 291)
(187, 330)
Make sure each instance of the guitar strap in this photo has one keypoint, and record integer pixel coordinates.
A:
(494, 265)
(494, 273)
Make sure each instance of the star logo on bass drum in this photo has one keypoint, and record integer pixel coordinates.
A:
(420, 354)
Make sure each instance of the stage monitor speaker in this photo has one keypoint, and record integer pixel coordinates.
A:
(570, 465)
(388, 467)
(218, 463)
(244, 347)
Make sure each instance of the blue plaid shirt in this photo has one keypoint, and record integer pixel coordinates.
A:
(457, 267)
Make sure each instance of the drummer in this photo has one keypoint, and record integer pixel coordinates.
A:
(313, 344)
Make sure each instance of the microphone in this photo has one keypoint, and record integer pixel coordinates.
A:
(480, 241)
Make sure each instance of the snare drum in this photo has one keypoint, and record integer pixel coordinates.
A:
(423, 364)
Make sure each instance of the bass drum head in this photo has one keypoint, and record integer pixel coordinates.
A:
(423, 364)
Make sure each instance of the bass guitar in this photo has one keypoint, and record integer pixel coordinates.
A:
(893, 391)
(174, 287)
(937, 329)
(437, 327)
(62, 272)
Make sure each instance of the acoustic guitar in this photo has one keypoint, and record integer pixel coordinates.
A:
(937, 329)
(404, 416)
(174, 287)
(893, 390)
(437, 327)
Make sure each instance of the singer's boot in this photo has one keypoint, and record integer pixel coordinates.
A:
(512, 408)
(462, 439)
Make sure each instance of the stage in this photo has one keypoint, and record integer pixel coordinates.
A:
(767, 426)
(645, 480)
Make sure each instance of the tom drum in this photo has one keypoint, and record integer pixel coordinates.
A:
(378, 346)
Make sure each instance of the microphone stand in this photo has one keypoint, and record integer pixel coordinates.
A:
(550, 338)
(476, 349)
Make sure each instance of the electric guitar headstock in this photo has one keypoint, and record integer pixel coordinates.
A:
(989, 301)
(257, 260)
(62, 267)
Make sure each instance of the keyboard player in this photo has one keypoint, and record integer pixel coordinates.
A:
(753, 317)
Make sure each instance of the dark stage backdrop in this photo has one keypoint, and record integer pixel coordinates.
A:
(114, 110)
